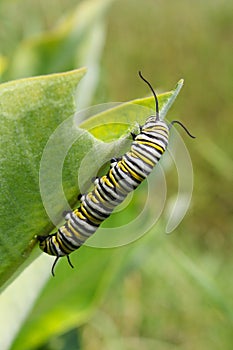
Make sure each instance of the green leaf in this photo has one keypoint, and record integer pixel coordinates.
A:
(31, 109)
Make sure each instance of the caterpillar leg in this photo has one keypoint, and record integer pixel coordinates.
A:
(70, 263)
(66, 213)
(115, 160)
(55, 262)
(134, 135)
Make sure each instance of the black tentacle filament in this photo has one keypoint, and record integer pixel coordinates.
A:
(153, 92)
(182, 125)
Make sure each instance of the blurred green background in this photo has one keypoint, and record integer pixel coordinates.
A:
(169, 291)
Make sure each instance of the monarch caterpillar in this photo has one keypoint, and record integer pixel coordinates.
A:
(125, 174)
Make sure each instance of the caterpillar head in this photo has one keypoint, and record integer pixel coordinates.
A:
(156, 118)
(42, 242)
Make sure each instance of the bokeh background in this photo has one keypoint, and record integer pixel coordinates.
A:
(170, 291)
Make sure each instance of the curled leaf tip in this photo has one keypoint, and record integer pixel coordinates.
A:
(181, 82)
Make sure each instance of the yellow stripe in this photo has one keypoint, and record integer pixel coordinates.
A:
(90, 217)
(75, 232)
(103, 201)
(107, 182)
(79, 215)
(93, 198)
(135, 175)
(97, 193)
(113, 179)
(152, 145)
(134, 153)
(122, 167)
(54, 242)
(159, 130)
(72, 229)
(59, 240)
(117, 184)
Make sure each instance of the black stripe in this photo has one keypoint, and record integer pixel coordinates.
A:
(100, 204)
(76, 219)
(143, 170)
(126, 179)
(96, 211)
(85, 218)
(157, 137)
(152, 146)
(143, 148)
(87, 209)
(102, 211)
(142, 176)
(119, 191)
(82, 227)
(102, 196)
(46, 250)
(105, 191)
(63, 246)
(82, 223)
(52, 247)
(66, 242)
(131, 175)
